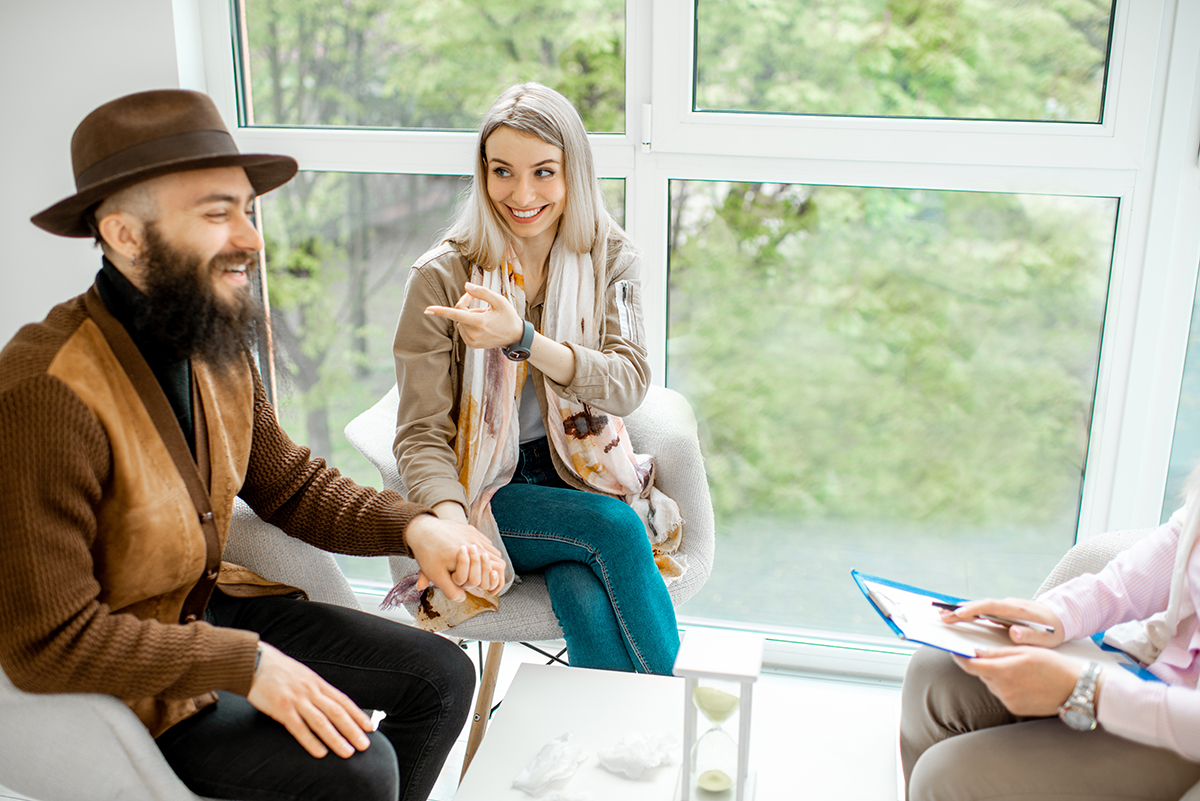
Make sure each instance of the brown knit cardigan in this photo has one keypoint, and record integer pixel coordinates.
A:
(106, 558)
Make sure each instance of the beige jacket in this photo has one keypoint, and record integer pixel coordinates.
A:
(429, 354)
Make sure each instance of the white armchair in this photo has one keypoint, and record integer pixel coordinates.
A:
(663, 426)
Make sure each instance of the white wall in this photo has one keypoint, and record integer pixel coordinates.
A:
(61, 59)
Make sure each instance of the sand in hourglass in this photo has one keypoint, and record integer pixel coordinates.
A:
(716, 752)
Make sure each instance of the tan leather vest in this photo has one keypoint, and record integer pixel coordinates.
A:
(153, 547)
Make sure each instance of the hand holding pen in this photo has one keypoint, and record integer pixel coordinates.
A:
(1028, 622)
(998, 619)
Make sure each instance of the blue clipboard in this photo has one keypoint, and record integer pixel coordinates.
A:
(1117, 656)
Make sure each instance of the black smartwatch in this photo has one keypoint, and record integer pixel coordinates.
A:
(519, 351)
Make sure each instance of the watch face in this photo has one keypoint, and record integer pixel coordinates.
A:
(1079, 719)
(516, 354)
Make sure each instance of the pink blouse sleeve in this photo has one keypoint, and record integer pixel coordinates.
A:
(1133, 586)
(1150, 712)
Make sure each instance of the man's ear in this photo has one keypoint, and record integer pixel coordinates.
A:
(123, 235)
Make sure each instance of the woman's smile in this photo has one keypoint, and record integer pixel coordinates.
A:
(526, 215)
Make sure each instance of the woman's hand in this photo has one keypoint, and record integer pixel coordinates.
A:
(1032, 682)
(1013, 608)
(496, 324)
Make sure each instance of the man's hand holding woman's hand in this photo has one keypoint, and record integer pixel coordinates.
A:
(453, 555)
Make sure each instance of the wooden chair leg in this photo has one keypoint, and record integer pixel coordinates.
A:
(483, 704)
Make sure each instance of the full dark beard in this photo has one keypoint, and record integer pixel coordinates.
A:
(181, 312)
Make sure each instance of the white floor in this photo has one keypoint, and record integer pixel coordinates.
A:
(812, 738)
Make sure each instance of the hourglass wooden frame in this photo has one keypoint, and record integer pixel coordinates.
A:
(718, 655)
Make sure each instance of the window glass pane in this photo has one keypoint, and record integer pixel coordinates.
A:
(1185, 447)
(339, 246)
(987, 59)
(898, 381)
(428, 63)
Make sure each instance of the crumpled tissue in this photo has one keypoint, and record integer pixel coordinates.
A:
(558, 759)
(637, 752)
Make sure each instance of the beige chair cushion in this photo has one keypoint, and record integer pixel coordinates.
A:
(274, 555)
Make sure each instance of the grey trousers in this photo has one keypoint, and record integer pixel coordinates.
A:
(959, 743)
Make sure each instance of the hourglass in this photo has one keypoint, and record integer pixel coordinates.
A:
(715, 753)
(720, 668)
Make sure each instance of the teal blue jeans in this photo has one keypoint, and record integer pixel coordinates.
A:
(606, 591)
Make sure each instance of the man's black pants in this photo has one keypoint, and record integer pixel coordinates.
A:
(422, 682)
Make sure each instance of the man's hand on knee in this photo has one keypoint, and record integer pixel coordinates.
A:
(315, 712)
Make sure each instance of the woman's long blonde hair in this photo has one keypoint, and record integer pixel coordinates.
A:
(586, 226)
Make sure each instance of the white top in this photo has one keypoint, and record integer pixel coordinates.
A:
(530, 414)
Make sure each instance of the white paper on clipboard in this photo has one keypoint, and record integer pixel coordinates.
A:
(919, 621)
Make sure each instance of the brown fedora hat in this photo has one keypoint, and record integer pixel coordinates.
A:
(146, 134)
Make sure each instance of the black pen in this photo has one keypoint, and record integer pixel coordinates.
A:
(1003, 621)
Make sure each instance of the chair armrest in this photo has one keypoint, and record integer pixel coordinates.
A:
(665, 427)
(64, 747)
(272, 554)
(1090, 556)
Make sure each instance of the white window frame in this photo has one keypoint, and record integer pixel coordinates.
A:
(1145, 153)
(1114, 142)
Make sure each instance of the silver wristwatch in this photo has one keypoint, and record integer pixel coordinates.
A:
(1079, 711)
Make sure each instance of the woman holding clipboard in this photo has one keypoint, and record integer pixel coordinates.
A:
(1028, 722)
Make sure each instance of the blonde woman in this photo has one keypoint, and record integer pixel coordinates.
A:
(520, 344)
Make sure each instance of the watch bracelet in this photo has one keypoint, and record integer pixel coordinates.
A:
(1087, 678)
(1083, 697)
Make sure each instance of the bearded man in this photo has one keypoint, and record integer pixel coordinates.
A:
(130, 418)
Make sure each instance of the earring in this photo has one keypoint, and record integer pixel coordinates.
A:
(132, 262)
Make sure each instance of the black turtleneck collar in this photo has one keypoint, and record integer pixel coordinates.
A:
(123, 299)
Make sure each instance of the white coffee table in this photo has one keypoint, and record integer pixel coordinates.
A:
(599, 706)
